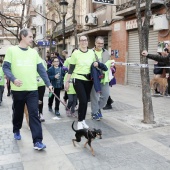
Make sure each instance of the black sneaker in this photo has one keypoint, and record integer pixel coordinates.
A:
(57, 113)
(50, 108)
(107, 107)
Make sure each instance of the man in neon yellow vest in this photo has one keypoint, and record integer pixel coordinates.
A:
(21, 65)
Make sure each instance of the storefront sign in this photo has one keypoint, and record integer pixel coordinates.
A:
(46, 43)
(132, 24)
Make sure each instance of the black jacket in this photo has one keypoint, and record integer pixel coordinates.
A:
(96, 75)
(160, 58)
(157, 69)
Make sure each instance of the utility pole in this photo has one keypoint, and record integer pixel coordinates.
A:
(64, 31)
(63, 6)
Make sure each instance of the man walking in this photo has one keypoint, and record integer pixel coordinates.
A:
(99, 100)
(21, 65)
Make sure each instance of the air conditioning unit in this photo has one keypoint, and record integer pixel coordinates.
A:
(91, 19)
(158, 1)
(85, 28)
(160, 22)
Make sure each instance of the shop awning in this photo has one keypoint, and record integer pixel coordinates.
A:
(97, 31)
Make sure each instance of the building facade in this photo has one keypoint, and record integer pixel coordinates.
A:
(38, 21)
(13, 16)
(125, 38)
(92, 20)
(8, 12)
(118, 25)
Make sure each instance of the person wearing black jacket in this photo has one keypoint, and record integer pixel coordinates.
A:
(158, 71)
(164, 57)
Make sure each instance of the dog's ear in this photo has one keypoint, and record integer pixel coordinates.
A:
(99, 131)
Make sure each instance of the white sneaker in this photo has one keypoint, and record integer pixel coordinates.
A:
(85, 126)
(42, 118)
(79, 125)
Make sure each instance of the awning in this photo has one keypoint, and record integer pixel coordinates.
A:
(97, 31)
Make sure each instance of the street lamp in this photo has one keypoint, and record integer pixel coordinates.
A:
(63, 8)
(33, 29)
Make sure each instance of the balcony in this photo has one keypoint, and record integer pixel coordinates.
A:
(128, 7)
(68, 27)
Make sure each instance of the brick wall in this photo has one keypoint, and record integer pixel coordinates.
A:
(120, 42)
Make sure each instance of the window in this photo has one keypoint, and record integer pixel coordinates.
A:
(41, 30)
(1, 42)
(8, 21)
(41, 9)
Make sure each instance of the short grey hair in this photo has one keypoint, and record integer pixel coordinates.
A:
(99, 37)
(23, 32)
(65, 51)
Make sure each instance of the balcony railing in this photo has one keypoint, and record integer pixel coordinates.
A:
(68, 26)
(124, 4)
(127, 7)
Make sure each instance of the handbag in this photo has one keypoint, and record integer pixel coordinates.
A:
(97, 59)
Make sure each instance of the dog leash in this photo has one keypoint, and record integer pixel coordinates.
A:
(60, 100)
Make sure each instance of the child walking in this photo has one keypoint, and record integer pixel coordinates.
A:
(2, 82)
(41, 92)
(72, 96)
(55, 74)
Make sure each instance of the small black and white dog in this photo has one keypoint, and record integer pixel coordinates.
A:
(89, 134)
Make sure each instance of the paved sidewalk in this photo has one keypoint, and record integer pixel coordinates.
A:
(127, 143)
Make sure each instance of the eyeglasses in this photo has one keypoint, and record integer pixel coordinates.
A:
(83, 40)
(100, 43)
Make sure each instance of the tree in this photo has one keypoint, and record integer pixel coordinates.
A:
(75, 24)
(15, 12)
(53, 29)
(143, 31)
(54, 8)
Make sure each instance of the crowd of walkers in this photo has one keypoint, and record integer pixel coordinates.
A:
(85, 76)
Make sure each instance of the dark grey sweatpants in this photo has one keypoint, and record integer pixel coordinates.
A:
(1, 93)
(99, 100)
